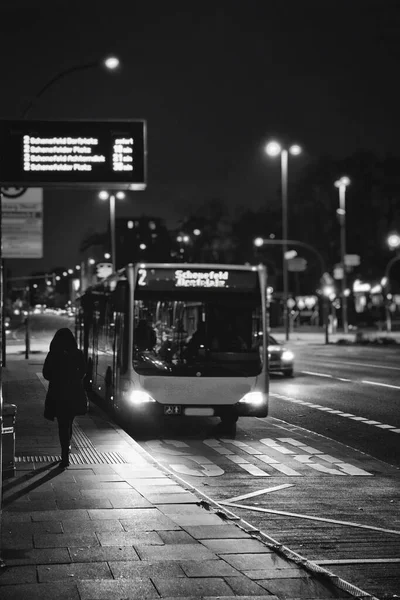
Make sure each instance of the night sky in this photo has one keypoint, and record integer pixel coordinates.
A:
(214, 81)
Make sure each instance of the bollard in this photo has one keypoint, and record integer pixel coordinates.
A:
(8, 440)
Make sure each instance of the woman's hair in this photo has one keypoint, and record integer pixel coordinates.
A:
(63, 339)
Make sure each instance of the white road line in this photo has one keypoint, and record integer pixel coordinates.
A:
(308, 517)
(318, 374)
(394, 387)
(260, 492)
(332, 411)
(374, 366)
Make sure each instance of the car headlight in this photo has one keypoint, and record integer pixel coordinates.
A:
(254, 398)
(287, 355)
(140, 397)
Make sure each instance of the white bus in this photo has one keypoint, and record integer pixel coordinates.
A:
(178, 339)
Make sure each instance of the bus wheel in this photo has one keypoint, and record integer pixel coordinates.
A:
(228, 423)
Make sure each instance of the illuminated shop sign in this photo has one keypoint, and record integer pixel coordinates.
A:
(168, 279)
(39, 153)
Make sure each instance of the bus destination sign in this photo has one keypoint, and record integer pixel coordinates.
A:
(185, 279)
(40, 153)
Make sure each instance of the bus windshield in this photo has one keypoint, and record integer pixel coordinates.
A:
(198, 331)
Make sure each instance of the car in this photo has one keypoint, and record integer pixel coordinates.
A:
(281, 360)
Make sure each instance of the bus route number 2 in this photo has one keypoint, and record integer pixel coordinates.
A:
(142, 277)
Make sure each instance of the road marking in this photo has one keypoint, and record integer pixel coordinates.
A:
(374, 366)
(388, 385)
(328, 376)
(260, 492)
(318, 374)
(339, 413)
(308, 517)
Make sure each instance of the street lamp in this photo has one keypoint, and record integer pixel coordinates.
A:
(274, 148)
(393, 242)
(110, 63)
(325, 277)
(342, 184)
(104, 195)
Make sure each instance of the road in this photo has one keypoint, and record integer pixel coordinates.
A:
(321, 473)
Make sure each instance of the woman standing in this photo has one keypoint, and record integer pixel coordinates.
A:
(66, 398)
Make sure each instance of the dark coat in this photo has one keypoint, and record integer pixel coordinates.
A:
(66, 396)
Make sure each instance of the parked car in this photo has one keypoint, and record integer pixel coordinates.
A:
(281, 360)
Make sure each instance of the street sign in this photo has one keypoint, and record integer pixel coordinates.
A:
(351, 260)
(75, 153)
(22, 221)
(297, 264)
(327, 279)
(338, 271)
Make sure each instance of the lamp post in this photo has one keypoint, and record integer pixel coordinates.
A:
(104, 195)
(273, 148)
(394, 244)
(342, 184)
(110, 63)
(325, 277)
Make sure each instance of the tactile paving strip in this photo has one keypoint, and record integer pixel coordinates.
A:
(86, 455)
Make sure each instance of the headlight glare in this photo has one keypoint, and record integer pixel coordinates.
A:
(140, 397)
(287, 355)
(254, 398)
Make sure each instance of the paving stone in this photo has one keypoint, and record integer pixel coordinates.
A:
(117, 513)
(99, 525)
(35, 556)
(175, 552)
(185, 498)
(196, 519)
(81, 502)
(128, 589)
(243, 586)
(147, 520)
(58, 515)
(204, 532)
(242, 546)
(18, 574)
(17, 542)
(176, 537)
(185, 509)
(10, 517)
(256, 561)
(276, 573)
(60, 590)
(208, 568)
(127, 538)
(97, 570)
(129, 501)
(144, 568)
(301, 588)
(95, 484)
(195, 586)
(28, 528)
(32, 505)
(157, 482)
(65, 540)
(103, 553)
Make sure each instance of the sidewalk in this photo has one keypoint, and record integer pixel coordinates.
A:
(116, 525)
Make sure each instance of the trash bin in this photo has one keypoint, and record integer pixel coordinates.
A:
(8, 440)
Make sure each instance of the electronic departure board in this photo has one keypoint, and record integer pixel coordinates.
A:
(168, 279)
(60, 153)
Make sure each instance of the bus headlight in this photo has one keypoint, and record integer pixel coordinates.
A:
(287, 356)
(254, 398)
(140, 397)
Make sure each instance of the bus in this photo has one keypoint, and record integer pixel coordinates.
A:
(184, 339)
